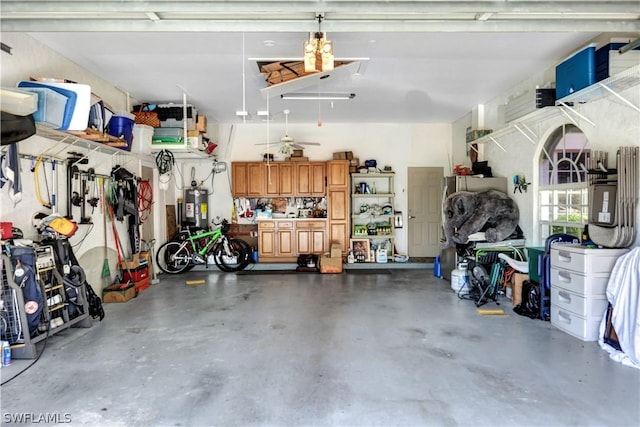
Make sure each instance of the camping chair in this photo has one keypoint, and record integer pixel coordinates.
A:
(544, 271)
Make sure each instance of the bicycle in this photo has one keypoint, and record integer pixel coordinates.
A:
(197, 246)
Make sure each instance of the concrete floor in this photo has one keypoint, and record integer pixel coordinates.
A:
(309, 349)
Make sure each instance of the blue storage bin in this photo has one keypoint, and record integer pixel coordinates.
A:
(576, 72)
(70, 104)
(122, 127)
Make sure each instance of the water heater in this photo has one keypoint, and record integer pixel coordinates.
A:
(196, 210)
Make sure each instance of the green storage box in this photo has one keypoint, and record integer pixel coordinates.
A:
(534, 255)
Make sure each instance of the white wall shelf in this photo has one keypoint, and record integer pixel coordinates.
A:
(610, 87)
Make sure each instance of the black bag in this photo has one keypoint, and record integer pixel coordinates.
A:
(25, 258)
(95, 303)
(530, 305)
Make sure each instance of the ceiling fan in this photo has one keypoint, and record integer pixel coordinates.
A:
(287, 143)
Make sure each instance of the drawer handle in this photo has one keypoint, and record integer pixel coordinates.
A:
(564, 256)
(563, 276)
(564, 296)
(564, 317)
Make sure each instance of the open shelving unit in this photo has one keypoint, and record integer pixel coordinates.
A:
(368, 221)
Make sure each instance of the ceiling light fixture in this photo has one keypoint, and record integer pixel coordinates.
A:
(318, 51)
(318, 96)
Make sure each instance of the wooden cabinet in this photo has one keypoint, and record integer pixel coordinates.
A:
(276, 240)
(266, 238)
(338, 203)
(286, 179)
(311, 237)
(239, 179)
(275, 179)
(271, 176)
(310, 178)
(256, 186)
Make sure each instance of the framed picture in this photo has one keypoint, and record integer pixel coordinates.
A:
(361, 249)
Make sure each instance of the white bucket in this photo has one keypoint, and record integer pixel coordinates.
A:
(142, 136)
(460, 281)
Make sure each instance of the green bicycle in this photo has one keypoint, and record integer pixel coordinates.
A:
(196, 246)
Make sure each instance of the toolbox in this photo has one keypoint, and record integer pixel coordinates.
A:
(136, 274)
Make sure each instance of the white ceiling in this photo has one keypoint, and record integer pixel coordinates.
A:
(429, 61)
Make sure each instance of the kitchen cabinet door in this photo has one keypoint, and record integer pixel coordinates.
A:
(339, 233)
(266, 238)
(303, 178)
(338, 206)
(285, 241)
(317, 180)
(239, 179)
(271, 179)
(337, 173)
(255, 180)
(311, 237)
(286, 179)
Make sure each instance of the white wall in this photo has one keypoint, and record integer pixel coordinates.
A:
(397, 145)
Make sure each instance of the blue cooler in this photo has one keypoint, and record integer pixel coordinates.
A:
(576, 72)
(122, 127)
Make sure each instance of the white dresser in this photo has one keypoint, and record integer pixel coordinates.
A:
(579, 278)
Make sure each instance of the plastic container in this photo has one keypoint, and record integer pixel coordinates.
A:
(18, 102)
(122, 127)
(576, 72)
(51, 107)
(6, 353)
(142, 137)
(69, 105)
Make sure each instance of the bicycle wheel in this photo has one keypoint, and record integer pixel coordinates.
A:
(174, 258)
(231, 254)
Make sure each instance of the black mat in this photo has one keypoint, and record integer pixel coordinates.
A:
(368, 271)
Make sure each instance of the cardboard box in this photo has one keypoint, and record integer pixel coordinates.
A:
(134, 262)
(353, 169)
(297, 159)
(343, 155)
(336, 250)
(516, 287)
(119, 292)
(296, 153)
(354, 162)
(330, 265)
(201, 123)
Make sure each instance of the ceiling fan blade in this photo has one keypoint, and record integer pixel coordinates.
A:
(308, 143)
(268, 143)
(296, 145)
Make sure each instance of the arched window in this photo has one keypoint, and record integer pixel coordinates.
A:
(563, 189)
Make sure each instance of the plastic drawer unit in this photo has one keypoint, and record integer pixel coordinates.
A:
(579, 278)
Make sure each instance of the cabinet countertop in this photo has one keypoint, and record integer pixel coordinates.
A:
(290, 219)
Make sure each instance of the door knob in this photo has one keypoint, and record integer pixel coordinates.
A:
(411, 216)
